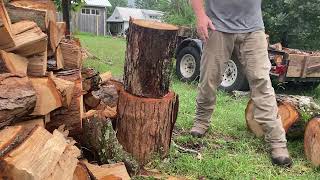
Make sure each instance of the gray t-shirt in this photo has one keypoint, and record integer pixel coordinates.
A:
(235, 16)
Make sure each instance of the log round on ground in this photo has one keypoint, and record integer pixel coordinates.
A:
(150, 49)
(145, 125)
(312, 141)
(289, 114)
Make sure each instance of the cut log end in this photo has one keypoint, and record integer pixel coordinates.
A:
(155, 25)
(288, 113)
(312, 141)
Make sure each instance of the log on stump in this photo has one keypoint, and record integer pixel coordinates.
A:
(17, 98)
(312, 141)
(150, 49)
(145, 125)
(294, 111)
(71, 117)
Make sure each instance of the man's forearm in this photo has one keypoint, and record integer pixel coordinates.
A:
(198, 8)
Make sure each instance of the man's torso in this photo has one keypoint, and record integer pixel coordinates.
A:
(235, 16)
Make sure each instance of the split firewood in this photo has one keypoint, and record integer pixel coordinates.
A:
(312, 141)
(91, 80)
(148, 74)
(72, 54)
(30, 124)
(56, 33)
(11, 137)
(294, 111)
(13, 63)
(81, 172)
(59, 62)
(90, 101)
(108, 95)
(71, 117)
(105, 77)
(100, 137)
(117, 170)
(37, 154)
(48, 96)
(37, 65)
(17, 98)
(36, 157)
(65, 88)
(22, 26)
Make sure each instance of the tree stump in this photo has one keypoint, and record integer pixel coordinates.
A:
(312, 141)
(145, 125)
(150, 49)
(294, 111)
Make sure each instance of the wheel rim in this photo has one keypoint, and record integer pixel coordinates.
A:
(230, 74)
(187, 66)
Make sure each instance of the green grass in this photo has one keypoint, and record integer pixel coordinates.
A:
(228, 151)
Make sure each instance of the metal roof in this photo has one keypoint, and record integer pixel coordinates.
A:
(122, 14)
(98, 3)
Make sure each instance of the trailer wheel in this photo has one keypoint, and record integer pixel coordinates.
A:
(188, 64)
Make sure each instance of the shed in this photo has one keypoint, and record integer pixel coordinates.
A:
(91, 18)
(118, 22)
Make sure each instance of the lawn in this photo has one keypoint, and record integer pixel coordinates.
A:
(228, 151)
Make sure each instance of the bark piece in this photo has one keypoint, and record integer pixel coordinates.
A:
(17, 98)
(13, 63)
(48, 96)
(107, 94)
(71, 117)
(91, 79)
(117, 170)
(293, 110)
(149, 61)
(37, 65)
(145, 125)
(90, 101)
(36, 157)
(312, 141)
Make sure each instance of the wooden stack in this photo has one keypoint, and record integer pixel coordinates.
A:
(147, 109)
(42, 90)
(32, 44)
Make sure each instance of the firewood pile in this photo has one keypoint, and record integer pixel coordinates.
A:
(47, 96)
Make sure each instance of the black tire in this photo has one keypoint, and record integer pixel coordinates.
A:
(194, 52)
(240, 83)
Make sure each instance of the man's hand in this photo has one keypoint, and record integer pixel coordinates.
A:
(203, 21)
(203, 24)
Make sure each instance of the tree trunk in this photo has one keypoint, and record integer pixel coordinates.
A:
(145, 125)
(312, 141)
(17, 98)
(150, 49)
(294, 111)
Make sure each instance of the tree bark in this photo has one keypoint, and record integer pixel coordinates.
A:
(150, 49)
(312, 141)
(17, 98)
(294, 111)
(145, 125)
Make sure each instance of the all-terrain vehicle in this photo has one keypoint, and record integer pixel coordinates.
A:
(288, 65)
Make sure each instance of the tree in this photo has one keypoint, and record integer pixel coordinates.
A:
(117, 3)
(294, 21)
(76, 4)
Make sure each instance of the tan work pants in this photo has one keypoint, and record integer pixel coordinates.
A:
(251, 49)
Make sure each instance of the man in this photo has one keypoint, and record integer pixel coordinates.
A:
(236, 25)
